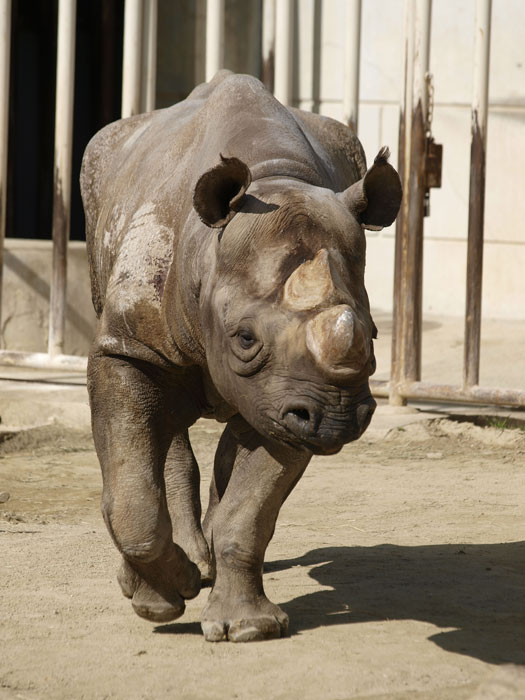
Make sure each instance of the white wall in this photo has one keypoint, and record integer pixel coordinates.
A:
(320, 80)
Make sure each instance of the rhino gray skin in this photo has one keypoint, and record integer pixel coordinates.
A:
(227, 254)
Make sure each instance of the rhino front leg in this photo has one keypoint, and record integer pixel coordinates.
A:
(132, 434)
(242, 526)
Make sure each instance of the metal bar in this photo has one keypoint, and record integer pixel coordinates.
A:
(284, 52)
(5, 54)
(214, 37)
(445, 392)
(471, 394)
(132, 53)
(268, 44)
(42, 360)
(415, 195)
(65, 87)
(380, 388)
(352, 63)
(406, 356)
(405, 134)
(149, 56)
(477, 193)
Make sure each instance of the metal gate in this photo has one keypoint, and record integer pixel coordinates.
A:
(417, 153)
(415, 161)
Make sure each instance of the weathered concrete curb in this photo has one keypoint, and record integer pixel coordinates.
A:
(31, 404)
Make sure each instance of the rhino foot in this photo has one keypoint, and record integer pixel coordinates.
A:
(147, 602)
(248, 622)
(150, 605)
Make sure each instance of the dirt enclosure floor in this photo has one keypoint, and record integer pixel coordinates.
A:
(400, 561)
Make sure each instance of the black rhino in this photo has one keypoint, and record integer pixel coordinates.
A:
(227, 255)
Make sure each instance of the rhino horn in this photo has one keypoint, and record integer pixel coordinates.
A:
(338, 340)
(375, 199)
(310, 285)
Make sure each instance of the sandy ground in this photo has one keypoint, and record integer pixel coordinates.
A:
(400, 562)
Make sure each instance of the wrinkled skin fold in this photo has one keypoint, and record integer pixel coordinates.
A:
(227, 254)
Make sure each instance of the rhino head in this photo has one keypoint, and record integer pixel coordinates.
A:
(285, 316)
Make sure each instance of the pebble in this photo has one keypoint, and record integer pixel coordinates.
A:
(435, 455)
(4, 497)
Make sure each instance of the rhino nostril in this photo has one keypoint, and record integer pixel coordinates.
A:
(302, 421)
(301, 413)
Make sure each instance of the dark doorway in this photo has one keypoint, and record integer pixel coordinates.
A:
(98, 80)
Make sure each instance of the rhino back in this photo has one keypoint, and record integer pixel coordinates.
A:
(139, 174)
(339, 142)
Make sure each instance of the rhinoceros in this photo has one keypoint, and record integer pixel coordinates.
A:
(227, 255)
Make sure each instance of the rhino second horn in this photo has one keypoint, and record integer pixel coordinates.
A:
(310, 284)
(337, 339)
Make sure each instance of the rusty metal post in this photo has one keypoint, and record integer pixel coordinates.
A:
(477, 193)
(5, 53)
(400, 242)
(62, 174)
(131, 60)
(149, 56)
(408, 276)
(283, 51)
(268, 44)
(352, 63)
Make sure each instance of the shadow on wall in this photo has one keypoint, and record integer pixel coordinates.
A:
(25, 303)
(479, 590)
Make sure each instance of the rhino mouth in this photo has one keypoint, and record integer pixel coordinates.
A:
(324, 430)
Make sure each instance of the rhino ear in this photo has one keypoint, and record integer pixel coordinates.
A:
(219, 193)
(375, 199)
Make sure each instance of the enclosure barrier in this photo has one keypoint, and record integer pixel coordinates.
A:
(5, 49)
(138, 94)
(284, 29)
(405, 382)
(418, 157)
(352, 63)
(62, 172)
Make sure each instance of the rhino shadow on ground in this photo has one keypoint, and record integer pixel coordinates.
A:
(479, 590)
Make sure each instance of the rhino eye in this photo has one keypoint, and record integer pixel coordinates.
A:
(246, 340)
(246, 356)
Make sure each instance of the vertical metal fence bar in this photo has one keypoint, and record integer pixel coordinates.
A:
(149, 56)
(5, 54)
(406, 350)
(352, 63)
(284, 52)
(65, 85)
(416, 191)
(131, 61)
(268, 44)
(214, 37)
(405, 133)
(477, 192)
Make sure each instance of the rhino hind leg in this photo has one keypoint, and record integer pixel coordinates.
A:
(146, 601)
(182, 480)
(242, 525)
(132, 439)
(222, 470)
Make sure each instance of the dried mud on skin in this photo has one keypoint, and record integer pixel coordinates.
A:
(401, 564)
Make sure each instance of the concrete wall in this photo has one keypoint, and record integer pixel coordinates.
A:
(25, 305)
(319, 82)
